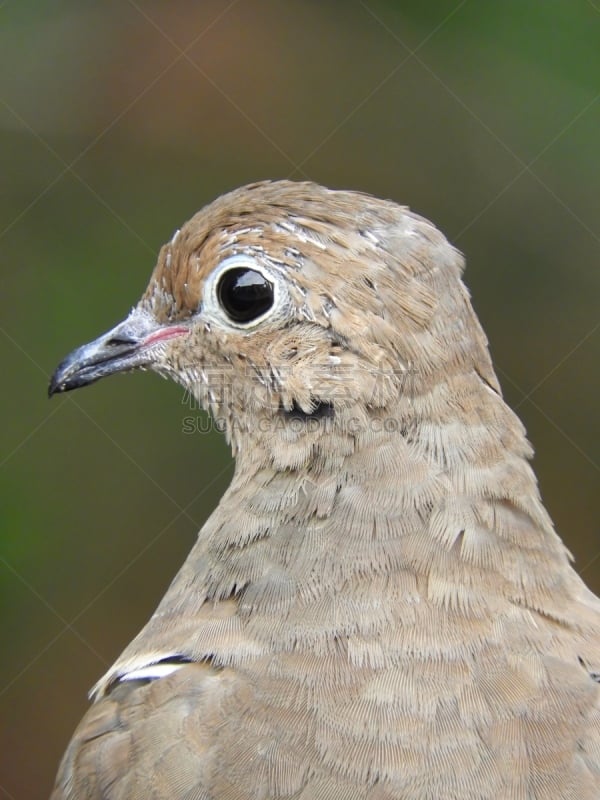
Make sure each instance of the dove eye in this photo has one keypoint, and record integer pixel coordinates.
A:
(244, 294)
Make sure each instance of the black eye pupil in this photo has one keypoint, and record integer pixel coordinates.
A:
(244, 294)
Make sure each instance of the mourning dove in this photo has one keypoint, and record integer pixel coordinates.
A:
(379, 608)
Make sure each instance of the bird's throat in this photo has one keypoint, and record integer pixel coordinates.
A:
(430, 514)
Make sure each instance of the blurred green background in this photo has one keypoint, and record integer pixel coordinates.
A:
(119, 120)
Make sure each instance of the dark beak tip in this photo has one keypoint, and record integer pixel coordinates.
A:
(54, 384)
(118, 350)
(66, 378)
(60, 379)
(104, 356)
(55, 387)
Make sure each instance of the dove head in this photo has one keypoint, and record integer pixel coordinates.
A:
(290, 311)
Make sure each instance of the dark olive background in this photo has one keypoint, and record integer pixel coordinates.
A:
(118, 121)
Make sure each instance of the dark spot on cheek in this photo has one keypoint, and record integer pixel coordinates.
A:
(320, 410)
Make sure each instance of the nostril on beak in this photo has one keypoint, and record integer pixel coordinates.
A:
(120, 339)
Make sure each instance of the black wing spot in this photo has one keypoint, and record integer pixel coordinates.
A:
(594, 675)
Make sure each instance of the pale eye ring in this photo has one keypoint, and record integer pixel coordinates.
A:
(244, 294)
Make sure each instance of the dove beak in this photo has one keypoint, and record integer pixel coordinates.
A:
(129, 345)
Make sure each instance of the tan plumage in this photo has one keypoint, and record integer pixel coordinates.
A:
(379, 607)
